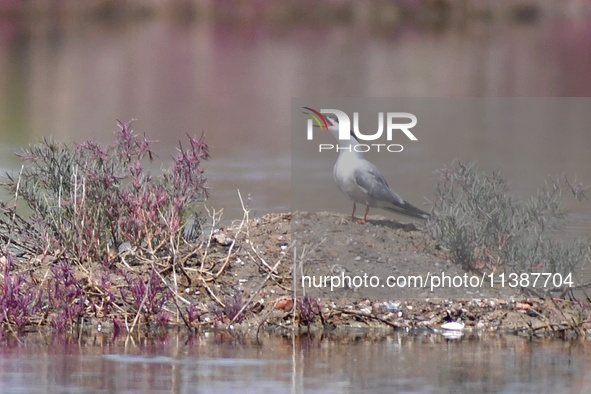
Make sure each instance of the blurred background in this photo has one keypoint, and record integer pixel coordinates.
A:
(229, 68)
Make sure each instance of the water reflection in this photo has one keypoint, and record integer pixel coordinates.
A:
(223, 363)
(236, 81)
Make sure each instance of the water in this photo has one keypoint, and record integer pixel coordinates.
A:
(235, 82)
(353, 363)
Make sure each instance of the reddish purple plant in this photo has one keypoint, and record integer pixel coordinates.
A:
(66, 297)
(234, 305)
(87, 199)
(193, 313)
(92, 203)
(145, 294)
(308, 309)
(162, 317)
(117, 326)
(19, 297)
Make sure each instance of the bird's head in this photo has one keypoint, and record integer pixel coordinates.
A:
(333, 127)
(332, 120)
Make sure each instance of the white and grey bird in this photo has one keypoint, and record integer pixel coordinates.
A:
(361, 180)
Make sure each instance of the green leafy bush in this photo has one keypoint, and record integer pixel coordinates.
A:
(487, 228)
(86, 201)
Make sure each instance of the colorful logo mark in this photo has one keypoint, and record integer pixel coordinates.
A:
(318, 118)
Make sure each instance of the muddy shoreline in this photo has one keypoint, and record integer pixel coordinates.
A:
(239, 278)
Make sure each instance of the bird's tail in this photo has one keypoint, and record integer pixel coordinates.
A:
(408, 209)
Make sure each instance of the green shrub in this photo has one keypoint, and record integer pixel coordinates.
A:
(487, 228)
(86, 201)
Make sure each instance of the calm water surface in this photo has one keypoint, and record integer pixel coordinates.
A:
(222, 363)
(235, 82)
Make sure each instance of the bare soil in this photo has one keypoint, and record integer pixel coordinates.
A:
(240, 277)
(323, 243)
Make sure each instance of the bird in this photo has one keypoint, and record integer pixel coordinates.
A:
(363, 182)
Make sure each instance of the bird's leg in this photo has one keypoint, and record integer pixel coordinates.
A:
(364, 220)
(360, 221)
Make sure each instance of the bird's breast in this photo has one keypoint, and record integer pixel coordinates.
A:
(344, 175)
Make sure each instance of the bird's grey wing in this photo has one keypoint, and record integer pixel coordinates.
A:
(375, 186)
(369, 178)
